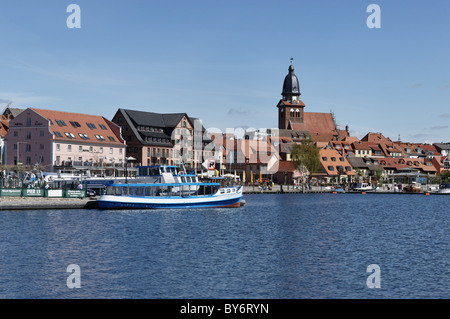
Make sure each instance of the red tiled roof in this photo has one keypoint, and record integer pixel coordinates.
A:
(320, 125)
(362, 145)
(328, 154)
(300, 103)
(285, 166)
(95, 127)
(413, 163)
(376, 138)
(4, 125)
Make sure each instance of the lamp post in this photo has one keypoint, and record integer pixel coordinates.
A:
(18, 147)
(127, 159)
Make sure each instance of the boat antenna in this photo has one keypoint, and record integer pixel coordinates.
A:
(182, 164)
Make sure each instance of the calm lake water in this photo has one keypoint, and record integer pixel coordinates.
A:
(276, 246)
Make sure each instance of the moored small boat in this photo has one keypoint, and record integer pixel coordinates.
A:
(444, 189)
(362, 187)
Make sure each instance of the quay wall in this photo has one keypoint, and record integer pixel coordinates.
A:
(26, 203)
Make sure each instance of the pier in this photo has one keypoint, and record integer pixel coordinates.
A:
(24, 203)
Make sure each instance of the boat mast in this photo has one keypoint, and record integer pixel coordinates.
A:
(182, 164)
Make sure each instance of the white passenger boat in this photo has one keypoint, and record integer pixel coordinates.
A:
(165, 187)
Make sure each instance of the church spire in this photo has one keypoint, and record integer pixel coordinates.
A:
(291, 89)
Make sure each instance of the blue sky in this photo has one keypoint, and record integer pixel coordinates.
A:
(225, 61)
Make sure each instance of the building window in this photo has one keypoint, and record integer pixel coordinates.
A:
(69, 148)
(120, 151)
(101, 150)
(447, 164)
(69, 135)
(28, 121)
(28, 160)
(41, 146)
(28, 148)
(41, 133)
(75, 124)
(28, 135)
(83, 136)
(16, 133)
(100, 137)
(58, 147)
(110, 150)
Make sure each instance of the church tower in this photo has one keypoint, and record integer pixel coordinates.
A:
(290, 107)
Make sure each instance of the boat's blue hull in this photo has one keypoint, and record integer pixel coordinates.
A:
(234, 202)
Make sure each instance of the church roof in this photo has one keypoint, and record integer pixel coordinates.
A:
(320, 125)
(290, 85)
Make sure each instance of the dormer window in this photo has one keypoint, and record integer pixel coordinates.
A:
(69, 135)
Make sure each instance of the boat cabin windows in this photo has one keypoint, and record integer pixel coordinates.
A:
(155, 190)
(156, 171)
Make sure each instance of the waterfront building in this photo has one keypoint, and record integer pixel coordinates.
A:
(4, 127)
(64, 141)
(443, 148)
(362, 149)
(366, 167)
(397, 165)
(156, 138)
(334, 167)
(287, 174)
(417, 150)
(441, 163)
(344, 147)
(12, 112)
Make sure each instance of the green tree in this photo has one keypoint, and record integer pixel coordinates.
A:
(445, 177)
(359, 173)
(306, 154)
(378, 175)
